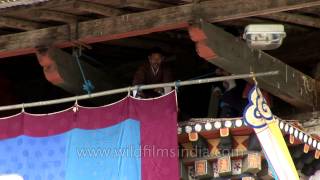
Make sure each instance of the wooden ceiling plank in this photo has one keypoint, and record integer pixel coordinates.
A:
(61, 69)
(294, 19)
(97, 8)
(19, 24)
(37, 6)
(228, 52)
(56, 16)
(145, 4)
(136, 24)
(312, 10)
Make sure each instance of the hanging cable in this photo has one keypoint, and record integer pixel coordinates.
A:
(77, 52)
(87, 84)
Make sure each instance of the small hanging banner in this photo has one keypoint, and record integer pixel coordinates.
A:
(259, 116)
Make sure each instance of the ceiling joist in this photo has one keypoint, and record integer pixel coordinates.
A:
(55, 16)
(19, 24)
(97, 8)
(146, 22)
(230, 53)
(145, 4)
(294, 19)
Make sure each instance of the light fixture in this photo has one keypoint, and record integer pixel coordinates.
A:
(264, 36)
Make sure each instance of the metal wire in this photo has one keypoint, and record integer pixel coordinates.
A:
(126, 89)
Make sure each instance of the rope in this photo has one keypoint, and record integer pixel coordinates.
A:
(87, 85)
(177, 85)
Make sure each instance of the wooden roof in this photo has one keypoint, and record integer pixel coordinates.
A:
(301, 21)
(110, 24)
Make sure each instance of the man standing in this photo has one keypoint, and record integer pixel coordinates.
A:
(153, 71)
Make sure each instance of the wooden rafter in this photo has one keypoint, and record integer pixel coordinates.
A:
(55, 16)
(19, 24)
(312, 10)
(42, 5)
(97, 8)
(145, 4)
(61, 69)
(144, 23)
(294, 19)
(230, 53)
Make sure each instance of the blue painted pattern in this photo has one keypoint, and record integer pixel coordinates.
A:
(107, 153)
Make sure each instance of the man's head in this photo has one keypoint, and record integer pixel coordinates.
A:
(155, 57)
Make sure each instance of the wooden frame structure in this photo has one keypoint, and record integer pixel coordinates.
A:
(65, 23)
(26, 28)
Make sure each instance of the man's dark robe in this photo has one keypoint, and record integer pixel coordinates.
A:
(145, 75)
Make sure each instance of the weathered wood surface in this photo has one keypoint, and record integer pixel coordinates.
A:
(19, 24)
(62, 70)
(144, 23)
(97, 8)
(233, 54)
(294, 19)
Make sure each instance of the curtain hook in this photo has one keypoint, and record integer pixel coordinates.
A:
(22, 110)
(76, 105)
(76, 102)
(177, 85)
(129, 91)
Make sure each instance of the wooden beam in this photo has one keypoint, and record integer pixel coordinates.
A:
(312, 10)
(19, 23)
(312, 122)
(55, 16)
(97, 8)
(145, 22)
(42, 5)
(212, 157)
(146, 43)
(62, 70)
(145, 4)
(316, 71)
(294, 19)
(233, 55)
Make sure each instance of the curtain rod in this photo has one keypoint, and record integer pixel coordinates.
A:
(131, 88)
